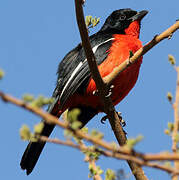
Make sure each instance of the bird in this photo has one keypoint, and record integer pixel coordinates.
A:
(75, 87)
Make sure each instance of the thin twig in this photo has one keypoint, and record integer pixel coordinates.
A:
(158, 38)
(113, 155)
(176, 124)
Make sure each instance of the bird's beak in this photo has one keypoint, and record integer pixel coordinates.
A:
(139, 16)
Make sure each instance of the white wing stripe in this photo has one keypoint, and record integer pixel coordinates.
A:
(96, 47)
(80, 64)
(72, 75)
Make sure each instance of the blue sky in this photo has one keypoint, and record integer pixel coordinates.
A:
(35, 36)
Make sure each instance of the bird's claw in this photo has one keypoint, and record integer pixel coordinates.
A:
(123, 123)
(103, 119)
(110, 91)
(95, 92)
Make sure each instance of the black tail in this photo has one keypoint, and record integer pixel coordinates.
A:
(34, 149)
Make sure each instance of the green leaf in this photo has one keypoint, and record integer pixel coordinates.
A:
(38, 128)
(84, 130)
(91, 22)
(76, 125)
(131, 142)
(41, 101)
(72, 115)
(110, 175)
(25, 133)
(94, 171)
(96, 134)
(91, 154)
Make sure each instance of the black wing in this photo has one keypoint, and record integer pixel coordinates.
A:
(73, 71)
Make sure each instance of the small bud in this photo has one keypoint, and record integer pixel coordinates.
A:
(94, 21)
(28, 97)
(176, 138)
(1, 73)
(91, 22)
(68, 134)
(84, 130)
(167, 132)
(167, 164)
(169, 96)
(88, 20)
(171, 59)
(170, 126)
(97, 134)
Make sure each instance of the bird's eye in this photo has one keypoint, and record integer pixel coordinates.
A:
(122, 17)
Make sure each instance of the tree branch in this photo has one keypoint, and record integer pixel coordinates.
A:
(130, 157)
(117, 152)
(176, 124)
(102, 89)
(158, 38)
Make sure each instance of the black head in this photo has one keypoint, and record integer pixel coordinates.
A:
(120, 19)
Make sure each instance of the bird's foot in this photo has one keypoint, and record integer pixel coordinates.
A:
(96, 92)
(123, 123)
(110, 91)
